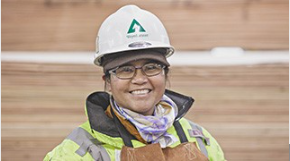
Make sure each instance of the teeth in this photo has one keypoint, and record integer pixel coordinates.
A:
(137, 92)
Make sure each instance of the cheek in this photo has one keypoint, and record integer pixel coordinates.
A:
(160, 81)
(116, 86)
(159, 85)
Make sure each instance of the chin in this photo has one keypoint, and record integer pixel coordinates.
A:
(146, 111)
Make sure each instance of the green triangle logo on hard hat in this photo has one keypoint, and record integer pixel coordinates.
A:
(135, 27)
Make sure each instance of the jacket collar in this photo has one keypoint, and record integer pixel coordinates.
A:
(98, 102)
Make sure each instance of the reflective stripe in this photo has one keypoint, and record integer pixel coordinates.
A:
(89, 144)
(196, 132)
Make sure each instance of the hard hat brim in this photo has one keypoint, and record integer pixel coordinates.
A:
(154, 45)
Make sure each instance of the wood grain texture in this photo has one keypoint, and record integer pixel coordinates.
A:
(244, 107)
(72, 25)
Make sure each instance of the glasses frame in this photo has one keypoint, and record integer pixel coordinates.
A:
(113, 71)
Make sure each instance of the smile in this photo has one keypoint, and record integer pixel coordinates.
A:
(140, 92)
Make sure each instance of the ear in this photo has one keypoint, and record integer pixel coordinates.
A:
(104, 77)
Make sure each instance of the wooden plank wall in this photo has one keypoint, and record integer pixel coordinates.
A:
(72, 25)
(245, 107)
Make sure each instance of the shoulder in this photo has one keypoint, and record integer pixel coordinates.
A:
(195, 132)
(72, 147)
(65, 151)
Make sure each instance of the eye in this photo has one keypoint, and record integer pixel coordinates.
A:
(151, 67)
(125, 69)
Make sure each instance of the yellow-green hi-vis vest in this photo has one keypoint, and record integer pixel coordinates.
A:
(101, 138)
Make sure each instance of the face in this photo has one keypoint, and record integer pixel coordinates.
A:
(140, 93)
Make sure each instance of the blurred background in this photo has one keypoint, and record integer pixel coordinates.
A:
(231, 56)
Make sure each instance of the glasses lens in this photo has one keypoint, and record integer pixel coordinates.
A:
(125, 72)
(152, 69)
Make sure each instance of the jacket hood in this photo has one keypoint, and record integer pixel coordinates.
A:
(98, 102)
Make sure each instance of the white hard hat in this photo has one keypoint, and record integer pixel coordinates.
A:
(131, 28)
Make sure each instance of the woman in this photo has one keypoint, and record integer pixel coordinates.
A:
(139, 119)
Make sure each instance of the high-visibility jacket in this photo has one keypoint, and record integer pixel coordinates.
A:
(102, 138)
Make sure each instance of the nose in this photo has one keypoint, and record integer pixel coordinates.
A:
(140, 77)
